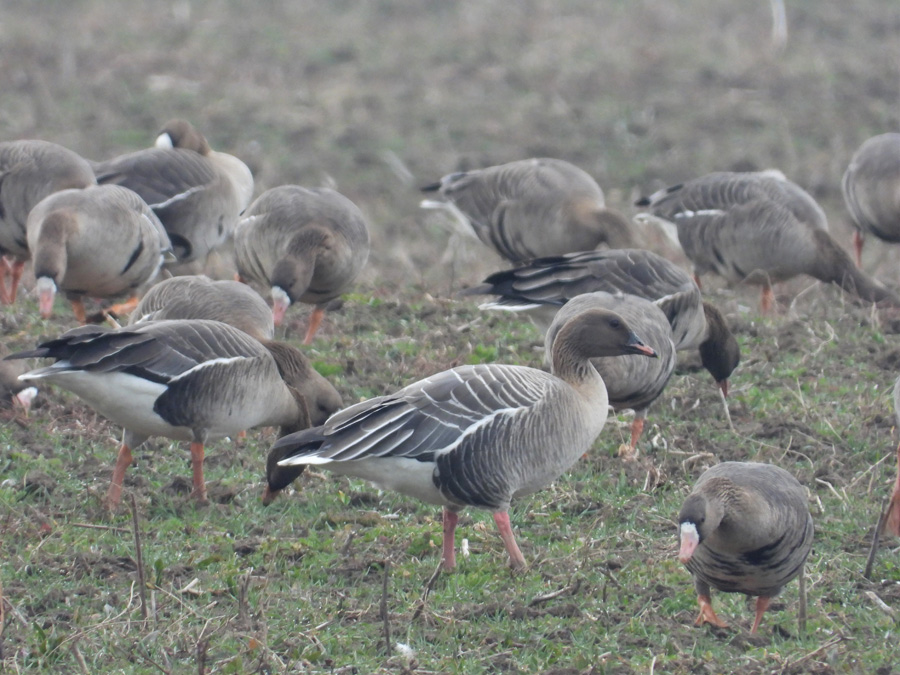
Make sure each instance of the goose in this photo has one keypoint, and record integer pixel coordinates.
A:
(745, 528)
(102, 241)
(871, 187)
(13, 392)
(186, 380)
(30, 170)
(533, 208)
(632, 382)
(305, 244)
(758, 228)
(478, 435)
(199, 297)
(541, 286)
(197, 193)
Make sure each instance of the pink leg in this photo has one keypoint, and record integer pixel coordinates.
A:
(858, 240)
(707, 615)
(314, 320)
(450, 518)
(199, 491)
(516, 559)
(114, 496)
(761, 604)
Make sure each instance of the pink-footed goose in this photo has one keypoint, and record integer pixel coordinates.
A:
(477, 435)
(758, 228)
(871, 187)
(305, 244)
(632, 382)
(197, 193)
(29, 171)
(186, 380)
(744, 528)
(533, 208)
(101, 241)
(199, 297)
(540, 287)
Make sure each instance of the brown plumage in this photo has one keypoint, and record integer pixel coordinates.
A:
(30, 170)
(871, 187)
(305, 244)
(745, 528)
(534, 207)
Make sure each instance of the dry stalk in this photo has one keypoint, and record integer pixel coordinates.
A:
(801, 613)
(243, 604)
(79, 658)
(876, 536)
(385, 616)
(139, 560)
(429, 586)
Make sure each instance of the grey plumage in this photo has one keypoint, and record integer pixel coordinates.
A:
(759, 228)
(474, 435)
(535, 207)
(199, 297)
(745, 528)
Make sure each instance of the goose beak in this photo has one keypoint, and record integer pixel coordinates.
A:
(46, 291)
(639, 347)
(690, 539)
(269, 495)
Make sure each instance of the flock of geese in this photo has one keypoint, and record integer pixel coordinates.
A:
(198, 359)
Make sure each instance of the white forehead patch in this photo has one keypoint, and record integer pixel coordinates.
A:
(689, 529)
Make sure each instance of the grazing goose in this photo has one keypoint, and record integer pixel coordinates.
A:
(543, 285)
(197, 193)
(474, 435)
(745, 528)
(185, 380)
(534, 207)
(199, 297)
(632, 382)
(102, 241)
(13, 392)
(758, 228)
(29, 171)
(306, 244)
(871, 187)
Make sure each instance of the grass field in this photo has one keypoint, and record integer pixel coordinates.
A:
(378, 98)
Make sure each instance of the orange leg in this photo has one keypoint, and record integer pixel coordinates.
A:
(123, 461)
(78, 310)
(4, 270)
(767, 299)
(762, 604)
(629, 452)
(858, 240)
(707, 615)
(314, 320)
(516, 559)
(892, 521)
(122, 308)
(199, 491)
(16, 269)
(450, 519)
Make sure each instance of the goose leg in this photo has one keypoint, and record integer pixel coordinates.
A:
(767, 299)
(762, 604)
(5, 270)
(516, 559)
(892, 519)
(123, 308)
(199, 491)
(450, 519)
(15, 271)
(707, 615)
(114, 496)
(858, 240)
(79, 311)
(630, 452)
(315, 319)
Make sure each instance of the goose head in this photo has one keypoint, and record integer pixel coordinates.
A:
(719, 353)
(179, 133)
(699, 517)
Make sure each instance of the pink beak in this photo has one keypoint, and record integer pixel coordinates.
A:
(689, 542)
(45, 302)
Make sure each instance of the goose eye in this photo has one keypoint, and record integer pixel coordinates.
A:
(615, 323)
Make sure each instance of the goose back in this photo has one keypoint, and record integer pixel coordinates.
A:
(535, 207)
(871, 187)
(199, 297)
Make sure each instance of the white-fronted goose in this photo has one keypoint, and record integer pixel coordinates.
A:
(101, 241)
(759, 228)
(543, 285)
(197, 193)
(185, 380)
(535, 207)
(471, 436)
(29, 171)
(199, 297)
(745, 528)
(305, 244)
(871, 187)
(632, 382)
(13, 392)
